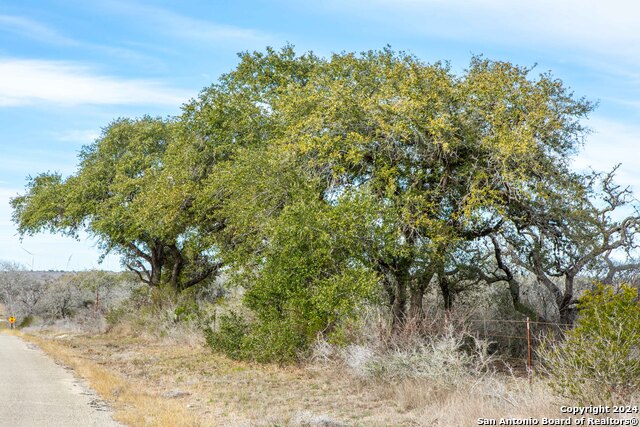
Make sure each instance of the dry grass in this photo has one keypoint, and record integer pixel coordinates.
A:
(165, 384)
(133, 401)
(494, 397)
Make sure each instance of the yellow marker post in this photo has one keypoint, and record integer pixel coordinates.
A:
(12, 321)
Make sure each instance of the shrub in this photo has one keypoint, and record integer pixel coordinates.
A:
(600, 357)
(160, 313)
(230, 336)
(305, 283)
(447, 355)
(277, 341)
(262, 341)
(26, 322)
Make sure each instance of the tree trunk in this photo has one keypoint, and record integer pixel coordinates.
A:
(400, 274)
(416, 308)
(399, 307)
(445, 287)
(178, 265)
(566, 305)
(157, 262)
(447, 294)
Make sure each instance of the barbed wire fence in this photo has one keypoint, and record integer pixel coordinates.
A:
(515, 342)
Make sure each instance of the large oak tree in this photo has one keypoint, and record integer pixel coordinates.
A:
(124, 196)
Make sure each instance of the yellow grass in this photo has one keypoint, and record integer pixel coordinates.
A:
(133, 401)
(135, 376)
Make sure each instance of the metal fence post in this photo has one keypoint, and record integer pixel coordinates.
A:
(529, 369)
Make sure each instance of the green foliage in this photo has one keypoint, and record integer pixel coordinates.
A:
(124, 195)
(187, 310)
(279, 341)
(26, 322)
(113, 171)
(600, 358)
(265, 342)
(443, 159)
(230, 336)
(322, 184)
(311, 277)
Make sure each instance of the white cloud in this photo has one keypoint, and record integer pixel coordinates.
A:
(34, 30)
(613, 143)
(69, 83)
(609, 28)
(84, 136)
(29, 28)
(185, 27)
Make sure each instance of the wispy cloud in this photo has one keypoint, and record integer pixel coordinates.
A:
(612, 143)
(609, 28)
(29, 28)
(84, 136)
(24, 82)
(185, 27)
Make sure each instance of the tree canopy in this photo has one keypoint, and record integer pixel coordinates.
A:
(325, 182)
(122, 196)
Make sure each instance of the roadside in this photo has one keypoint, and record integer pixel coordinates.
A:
(149, 382)
(165, 384)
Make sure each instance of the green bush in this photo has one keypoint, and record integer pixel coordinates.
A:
(260, 341)
(276, 341)
(306, 282)
(230, 335)
(187, 311)
(26, 322)
(600, 357)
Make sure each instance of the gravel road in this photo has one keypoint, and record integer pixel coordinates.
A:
(35, 392)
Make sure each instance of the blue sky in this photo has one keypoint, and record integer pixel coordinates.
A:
(68, 68)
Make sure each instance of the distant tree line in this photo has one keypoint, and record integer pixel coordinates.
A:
(52, 296)
(321, 184)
